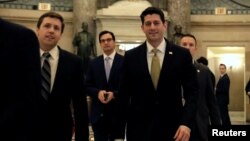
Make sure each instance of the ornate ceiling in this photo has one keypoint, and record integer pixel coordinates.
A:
(207, 7)
(197, 6)
(244, 3)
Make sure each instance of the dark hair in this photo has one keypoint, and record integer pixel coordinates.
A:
(202, 60)
(191, 36)
(150, 11)
(223, 65)
(51, 14)
(106, 32)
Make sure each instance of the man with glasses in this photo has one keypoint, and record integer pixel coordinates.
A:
(102, 81)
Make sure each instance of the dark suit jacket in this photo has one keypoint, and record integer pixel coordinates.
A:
(207, 106)
(222, 90)
(156, 114)
(20, 100)
(247, 88)
(96, 81)
(212, 78)
(68, 87)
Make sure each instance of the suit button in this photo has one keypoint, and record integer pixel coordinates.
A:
(101, 115)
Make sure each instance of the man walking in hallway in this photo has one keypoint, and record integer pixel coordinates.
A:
(222, 94)
(207, 106)
(102, 82)
(154, 76)
(64, 96)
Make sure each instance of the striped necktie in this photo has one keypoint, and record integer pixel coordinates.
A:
(46, 76)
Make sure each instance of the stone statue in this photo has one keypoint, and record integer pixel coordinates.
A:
(84, 44)
(177, 35)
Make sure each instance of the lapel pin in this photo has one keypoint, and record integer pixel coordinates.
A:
(170, 52)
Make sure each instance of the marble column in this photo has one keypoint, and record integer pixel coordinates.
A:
(179, 13)
(84, 11)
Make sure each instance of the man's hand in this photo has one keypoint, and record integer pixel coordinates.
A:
(182, 134)
(105, 97)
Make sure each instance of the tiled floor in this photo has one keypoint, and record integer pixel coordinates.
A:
(237, 118)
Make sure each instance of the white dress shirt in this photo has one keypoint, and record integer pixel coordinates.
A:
(53, 60)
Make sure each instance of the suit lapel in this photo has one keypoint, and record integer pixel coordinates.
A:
(114, 66)
(167, 62)
(143, 63)
(101, 66)
(59, 69)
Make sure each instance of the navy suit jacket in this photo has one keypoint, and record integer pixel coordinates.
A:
(247, 87)
(207, 105)
(20, 74)
(156, 114)
(222, 90)
(96, 81)
(68, 88)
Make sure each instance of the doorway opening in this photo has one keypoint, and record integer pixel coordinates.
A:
(234, 58)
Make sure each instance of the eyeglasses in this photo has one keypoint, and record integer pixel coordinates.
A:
(104, 40)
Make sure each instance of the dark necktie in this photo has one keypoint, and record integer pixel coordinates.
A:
(46, 76)
(107, 67)
(155, 68)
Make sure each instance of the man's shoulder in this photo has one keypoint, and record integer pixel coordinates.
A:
(203, 67)
(137, 49)
(119, 55)
(14, 28)
(67, 53)
(98, 58)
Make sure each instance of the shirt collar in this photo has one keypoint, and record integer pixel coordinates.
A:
(53, 52)
(161, 47)
(112, 55)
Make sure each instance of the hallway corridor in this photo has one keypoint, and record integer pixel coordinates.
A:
(237, 118)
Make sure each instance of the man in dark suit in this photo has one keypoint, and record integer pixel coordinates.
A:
(204, 61)
(247, 88)
(102, 82)
(222, 95)
(67, 84)
(20, 83)
(154, 111)
(208, 110)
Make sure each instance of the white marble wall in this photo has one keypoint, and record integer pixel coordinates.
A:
(84, 11)
(210, 30)
(221, 31)
(29, 19)
(122, 18)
